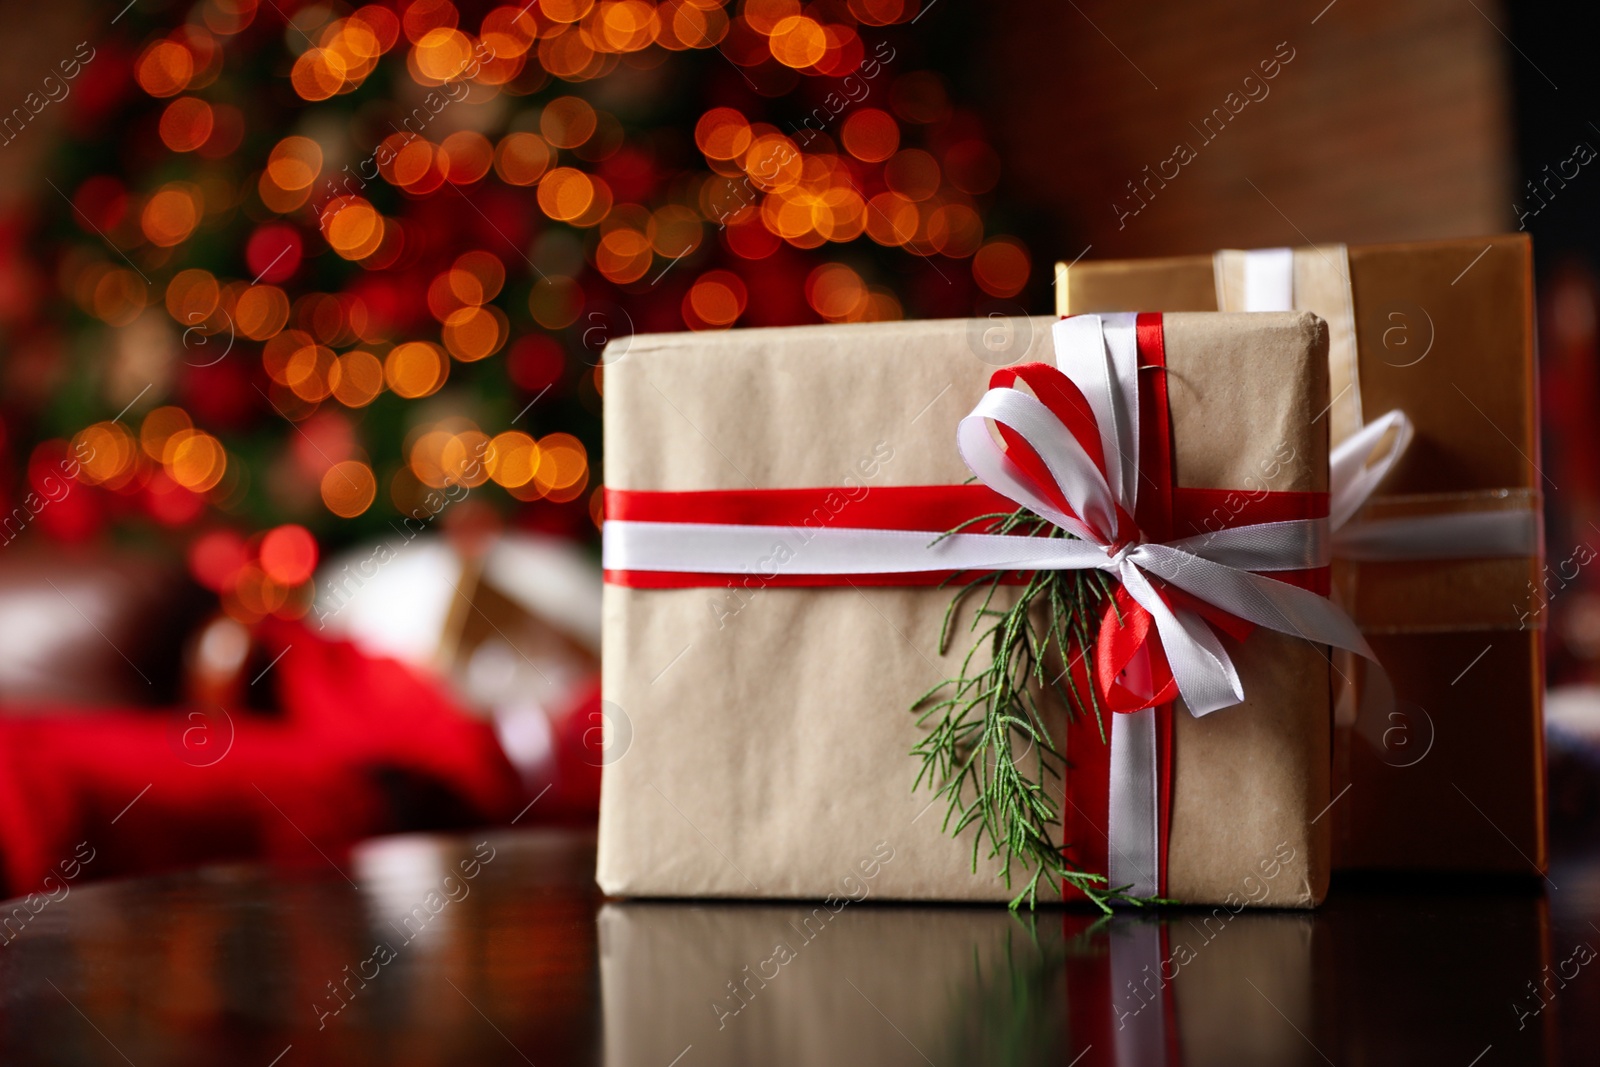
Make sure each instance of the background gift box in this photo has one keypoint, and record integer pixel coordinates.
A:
(1442, 330)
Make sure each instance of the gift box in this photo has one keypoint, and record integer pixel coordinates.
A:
(776, 507)
(1450, 774)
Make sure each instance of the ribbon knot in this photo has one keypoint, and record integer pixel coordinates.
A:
(1068, 450)
(1117, 554)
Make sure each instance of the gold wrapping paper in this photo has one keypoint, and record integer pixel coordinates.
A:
(1444, 331)
(770, 727)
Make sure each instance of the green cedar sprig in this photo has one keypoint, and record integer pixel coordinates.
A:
(988, 751)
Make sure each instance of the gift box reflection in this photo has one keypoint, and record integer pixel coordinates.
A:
(870, 985)
(807, 984)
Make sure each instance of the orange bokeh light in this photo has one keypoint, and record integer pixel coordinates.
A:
(318, 74)
(415, 369)
(623, 255)
(836, 292)
(195, 460)
(870, 135)
(695, 25)
(716, 299)
(463, 459)
(509, 31)
(466, 156)
(567, 121)
(565, 10)
(566, 193)
(1001, 267)
(307, 372)
(353, 228)
(486, 272)
(186, 124)
(628, 25)
(294, 163)
(192, 295)
(443, 53)
(513, 459)
(165, 68)
(348, 488)
(522, 158)
(106, 451)
(171, 215)
(158, 427)
(118, 296)
(722, 133)
(357, 379)
(798, 41)
(474, 333)
(563, 470)
(261, 312)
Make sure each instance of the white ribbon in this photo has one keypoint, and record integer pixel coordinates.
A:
(1360, 463)
(1269, 279)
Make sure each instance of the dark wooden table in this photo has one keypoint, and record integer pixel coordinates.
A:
(496, 948)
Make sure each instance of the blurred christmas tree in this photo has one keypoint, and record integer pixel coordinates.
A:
(351, 271)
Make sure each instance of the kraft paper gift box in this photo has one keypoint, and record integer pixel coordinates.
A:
(760, 735)
(1452, 777)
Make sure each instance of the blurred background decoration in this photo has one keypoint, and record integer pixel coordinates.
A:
(304, 305)
(306, 268)
(304, 310)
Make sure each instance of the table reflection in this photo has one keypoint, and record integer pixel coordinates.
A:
(497, 949)
(737, 984)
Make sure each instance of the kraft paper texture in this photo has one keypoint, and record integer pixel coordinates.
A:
(1444, 331)
(770, 728)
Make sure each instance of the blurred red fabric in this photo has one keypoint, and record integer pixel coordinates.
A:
(357, 745)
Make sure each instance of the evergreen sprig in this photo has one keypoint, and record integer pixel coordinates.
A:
(995, 706)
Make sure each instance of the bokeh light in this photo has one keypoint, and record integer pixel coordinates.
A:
(374, 234)
(1001, 267)
(288, 554)
(415, 369)
(164, 68)
(348, 488)
(186, 124)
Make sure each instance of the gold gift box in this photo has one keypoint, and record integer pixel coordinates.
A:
(1454, 777)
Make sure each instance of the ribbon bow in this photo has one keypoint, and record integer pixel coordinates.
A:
(1360, 463)
(1069, 452)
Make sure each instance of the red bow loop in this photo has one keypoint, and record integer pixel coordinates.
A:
(1061, 396)
(1131, 669)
